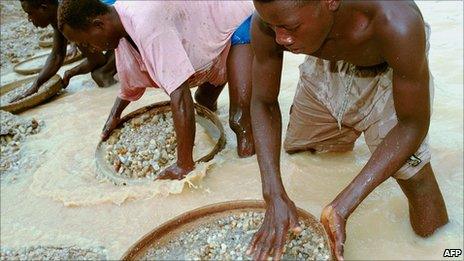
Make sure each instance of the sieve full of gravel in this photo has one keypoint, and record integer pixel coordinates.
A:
(9, 96)
(13, 131)
(227, 238)
(143, 147)
(52, 253)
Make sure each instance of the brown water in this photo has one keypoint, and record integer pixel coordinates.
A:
(60, 202)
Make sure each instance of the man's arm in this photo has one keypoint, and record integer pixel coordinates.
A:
(52, 65)
(93, 60)
(403, 46)
(184, 124)
(281, 212)
(114, 117)
(55, 59)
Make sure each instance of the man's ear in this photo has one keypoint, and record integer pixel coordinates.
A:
(98, 23)
(332, 5)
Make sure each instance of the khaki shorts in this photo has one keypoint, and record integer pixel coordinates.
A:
(333, 106)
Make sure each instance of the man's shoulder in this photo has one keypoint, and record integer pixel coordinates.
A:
(398, 21)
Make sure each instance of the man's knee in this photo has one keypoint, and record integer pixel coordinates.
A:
(420, 183)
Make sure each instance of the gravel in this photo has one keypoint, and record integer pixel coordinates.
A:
(13, 131)
(228, 238)
(52, 253)
(143, 147)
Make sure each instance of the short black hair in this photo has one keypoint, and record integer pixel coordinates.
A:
(77, 14)
(37, 3)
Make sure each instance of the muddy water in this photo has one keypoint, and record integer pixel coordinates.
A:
(33, 207)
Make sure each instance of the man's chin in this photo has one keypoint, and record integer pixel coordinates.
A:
(110, 47)
(42, 25)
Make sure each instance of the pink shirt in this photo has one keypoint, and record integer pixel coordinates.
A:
(178, 41)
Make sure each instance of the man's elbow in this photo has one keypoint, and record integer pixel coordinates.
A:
(417, 127)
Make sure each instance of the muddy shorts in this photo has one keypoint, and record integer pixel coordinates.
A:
(334, 105)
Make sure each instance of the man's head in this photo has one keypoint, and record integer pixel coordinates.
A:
(88, 23)
(40, 12)
(301, 26)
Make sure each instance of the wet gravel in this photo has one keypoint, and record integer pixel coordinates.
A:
(52, 253)
(13, 132)
(9, 96)
(143, 147)
(228, 239)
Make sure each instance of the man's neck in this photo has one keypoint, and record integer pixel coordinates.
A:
(119, 29)
(342, 21)
(54, 17)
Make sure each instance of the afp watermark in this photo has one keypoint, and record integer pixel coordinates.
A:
(450, 252)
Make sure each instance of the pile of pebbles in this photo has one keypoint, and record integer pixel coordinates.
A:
(13, 131)
(228, 239)
(143, 147)
(52, 253)
(9, 96)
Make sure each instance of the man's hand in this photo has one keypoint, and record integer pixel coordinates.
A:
(67, 77)
(334, 225)
(110, 124)
(72, 51)
(280, 217)
(175, 172)
(115, 117)
(33, 89)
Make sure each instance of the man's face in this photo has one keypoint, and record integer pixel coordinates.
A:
(299, 28)
(97, 37)
(39, 16)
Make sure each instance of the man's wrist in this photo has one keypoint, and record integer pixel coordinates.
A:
(274, 195)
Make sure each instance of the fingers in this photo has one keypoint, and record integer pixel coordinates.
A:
(66, 79)
(334, 225)
(20, 97)
(106, 133)
(65, 83)
(162, 174)
(254, 241)
(339, 255)
(104, 136)
(110, 124)
(264, 246)
(338, 245)
(17, 98)
(295, 227)
(280, 240)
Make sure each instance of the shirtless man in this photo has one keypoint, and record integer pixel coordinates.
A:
(43, 13)
(173, 46)
(367, 72)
